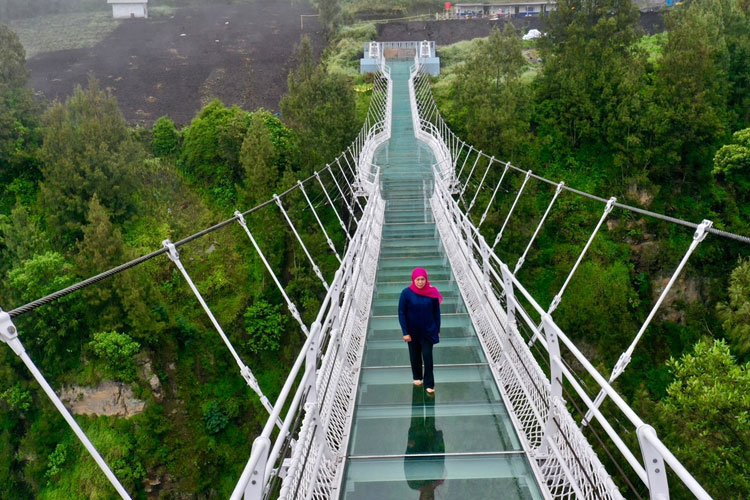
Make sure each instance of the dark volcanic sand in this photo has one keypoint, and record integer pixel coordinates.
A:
(153, 71)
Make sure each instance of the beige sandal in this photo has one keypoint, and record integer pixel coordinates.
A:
(430, 391)
(417, 383)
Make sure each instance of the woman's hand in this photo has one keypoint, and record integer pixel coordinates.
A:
(407, 338)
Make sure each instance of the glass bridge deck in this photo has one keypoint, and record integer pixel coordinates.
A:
(459, 443)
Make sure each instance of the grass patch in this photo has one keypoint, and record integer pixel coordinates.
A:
(63, 31)
(161, 11)
(345, 52)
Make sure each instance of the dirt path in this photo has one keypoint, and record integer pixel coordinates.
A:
(238, 53)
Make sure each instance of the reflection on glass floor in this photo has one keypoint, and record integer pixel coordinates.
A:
(405, 444)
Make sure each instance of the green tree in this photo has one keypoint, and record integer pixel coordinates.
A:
(214, 417)
(490, 98)
(688, 117)
(264, 325)
(588, 91)
(329, 12)
(320, 107)
(211, 150)
(52, 331)
(21, 236)
(19, 116)
(165, 139)
(17, 398)
(735, 315)
(118, 351)
(732, 166)
(258, 158)
(706, 417)
(101, 248)
(87, 149)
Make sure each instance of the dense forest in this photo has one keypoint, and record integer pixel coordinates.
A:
(662, 122)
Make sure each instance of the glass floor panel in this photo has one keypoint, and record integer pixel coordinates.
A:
(449, 351)
(404, 444)
(449, 477)
(454, 384)
(451, 325)
(425, 428)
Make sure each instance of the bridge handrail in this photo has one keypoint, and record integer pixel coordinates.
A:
(478, 243)
(338, 285)
(497, 276)
(327, 329)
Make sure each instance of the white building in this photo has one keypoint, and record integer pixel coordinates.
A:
(126, 9)
(504, 8)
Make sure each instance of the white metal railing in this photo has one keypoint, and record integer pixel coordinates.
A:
(568, 465)
(320, 389)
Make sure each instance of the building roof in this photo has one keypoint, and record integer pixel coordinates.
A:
(127, 1)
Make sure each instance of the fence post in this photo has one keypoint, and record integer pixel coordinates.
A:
(653, 462)
(555, 380)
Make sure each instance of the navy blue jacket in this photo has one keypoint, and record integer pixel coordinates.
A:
(419, 316)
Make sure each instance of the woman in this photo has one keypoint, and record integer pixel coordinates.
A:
(419, 316)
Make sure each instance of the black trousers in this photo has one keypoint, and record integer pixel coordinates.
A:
(420, 353)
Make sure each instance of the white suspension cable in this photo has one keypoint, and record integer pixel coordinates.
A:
(466, 158)
(330, 202)
(492, 198)
(466, 184)
(315, 267)
(292, 308)
(522, 258)
(625, 357)
(556, 300)
(354, 195)
(481, 183)
(322, 227)
(510, 212)
(247, 374)
(9, 335)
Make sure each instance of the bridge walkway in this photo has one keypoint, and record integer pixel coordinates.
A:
(404, 443)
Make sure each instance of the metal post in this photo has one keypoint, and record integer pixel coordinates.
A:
(658, 485)
(255, 483)
(510, 300)
(555, 380)
(9, 335)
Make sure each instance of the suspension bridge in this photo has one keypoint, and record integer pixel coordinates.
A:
(348, 423)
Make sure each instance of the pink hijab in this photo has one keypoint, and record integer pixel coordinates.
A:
(426, 290)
